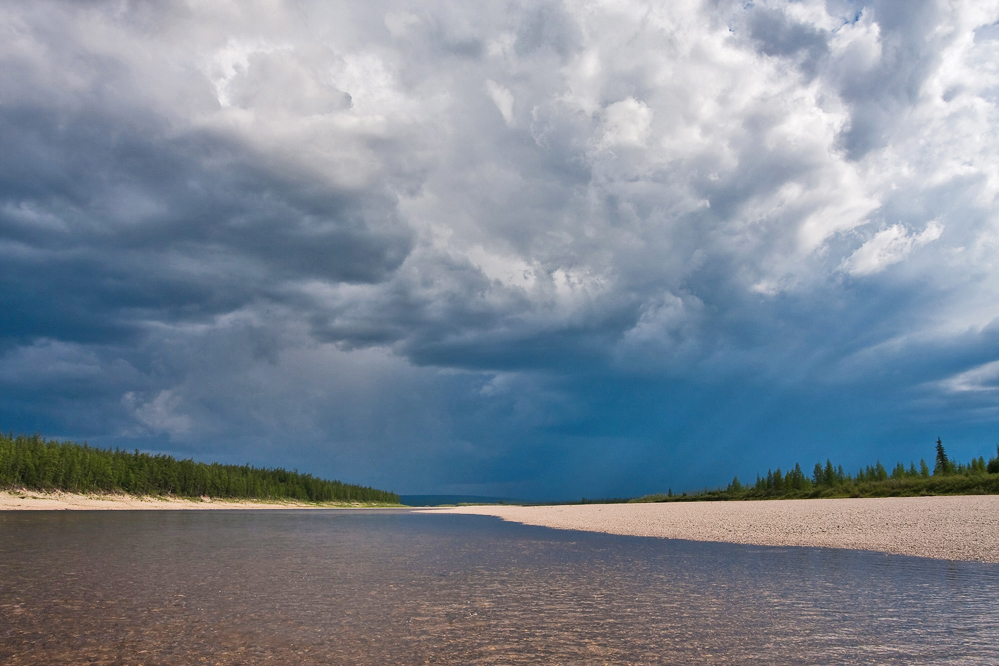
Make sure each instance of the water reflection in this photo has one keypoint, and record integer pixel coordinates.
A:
(321, 587)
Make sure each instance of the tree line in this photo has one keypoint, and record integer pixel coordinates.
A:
(39, 464)
(946, 477)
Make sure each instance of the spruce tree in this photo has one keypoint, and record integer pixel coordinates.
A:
(829, 474)
(943, 465)
(993, 466)
(798, 478)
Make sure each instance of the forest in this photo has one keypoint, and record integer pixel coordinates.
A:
(39, 464)
(946, 477)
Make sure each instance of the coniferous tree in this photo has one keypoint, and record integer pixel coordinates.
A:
(870, 480)
(33, 462)
(829, 474)
(943, 465)
(798, 479)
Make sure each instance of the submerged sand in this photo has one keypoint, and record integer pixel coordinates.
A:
(30, 500)
(950, 528)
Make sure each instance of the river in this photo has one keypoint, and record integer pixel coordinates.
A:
(403, 587)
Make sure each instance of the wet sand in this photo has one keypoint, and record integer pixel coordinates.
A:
(32, 500)
(950, 528)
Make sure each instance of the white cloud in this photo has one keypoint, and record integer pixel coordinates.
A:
(984, 378)
(889, 246)
(511, 271)
(626, 123)
(503, 99)
(400, 23)
(230, 61)
(161, 414)
(372, 87)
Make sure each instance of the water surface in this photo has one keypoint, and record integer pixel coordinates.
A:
(399, 587)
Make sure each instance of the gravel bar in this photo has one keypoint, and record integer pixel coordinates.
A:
(962, 527)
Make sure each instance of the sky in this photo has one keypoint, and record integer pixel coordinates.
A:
(543, 250)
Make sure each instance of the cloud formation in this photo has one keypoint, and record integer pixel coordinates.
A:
(888, 246)
(537, 248)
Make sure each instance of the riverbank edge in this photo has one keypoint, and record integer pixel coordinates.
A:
(20, 499)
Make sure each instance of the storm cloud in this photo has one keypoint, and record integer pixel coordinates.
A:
(535, 249)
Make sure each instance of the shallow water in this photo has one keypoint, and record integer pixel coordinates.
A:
(397, 587)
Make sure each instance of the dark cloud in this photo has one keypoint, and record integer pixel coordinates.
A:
(548, 27)
(109, 222)
(777, 35)
(880, 91)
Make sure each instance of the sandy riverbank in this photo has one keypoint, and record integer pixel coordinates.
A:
(952, 528)
(31, 500)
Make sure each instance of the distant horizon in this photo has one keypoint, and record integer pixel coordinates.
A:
(434, 499)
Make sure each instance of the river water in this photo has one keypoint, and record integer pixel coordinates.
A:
(400, 587)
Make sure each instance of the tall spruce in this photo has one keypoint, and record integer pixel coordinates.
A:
(943, 465)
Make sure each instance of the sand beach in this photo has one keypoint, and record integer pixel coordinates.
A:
(33, 500)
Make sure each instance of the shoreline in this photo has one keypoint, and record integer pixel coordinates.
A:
(57, 500)
(953, 527)
(950, 527)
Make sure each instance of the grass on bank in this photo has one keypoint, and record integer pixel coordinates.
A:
(826, 481)
(34, 463)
